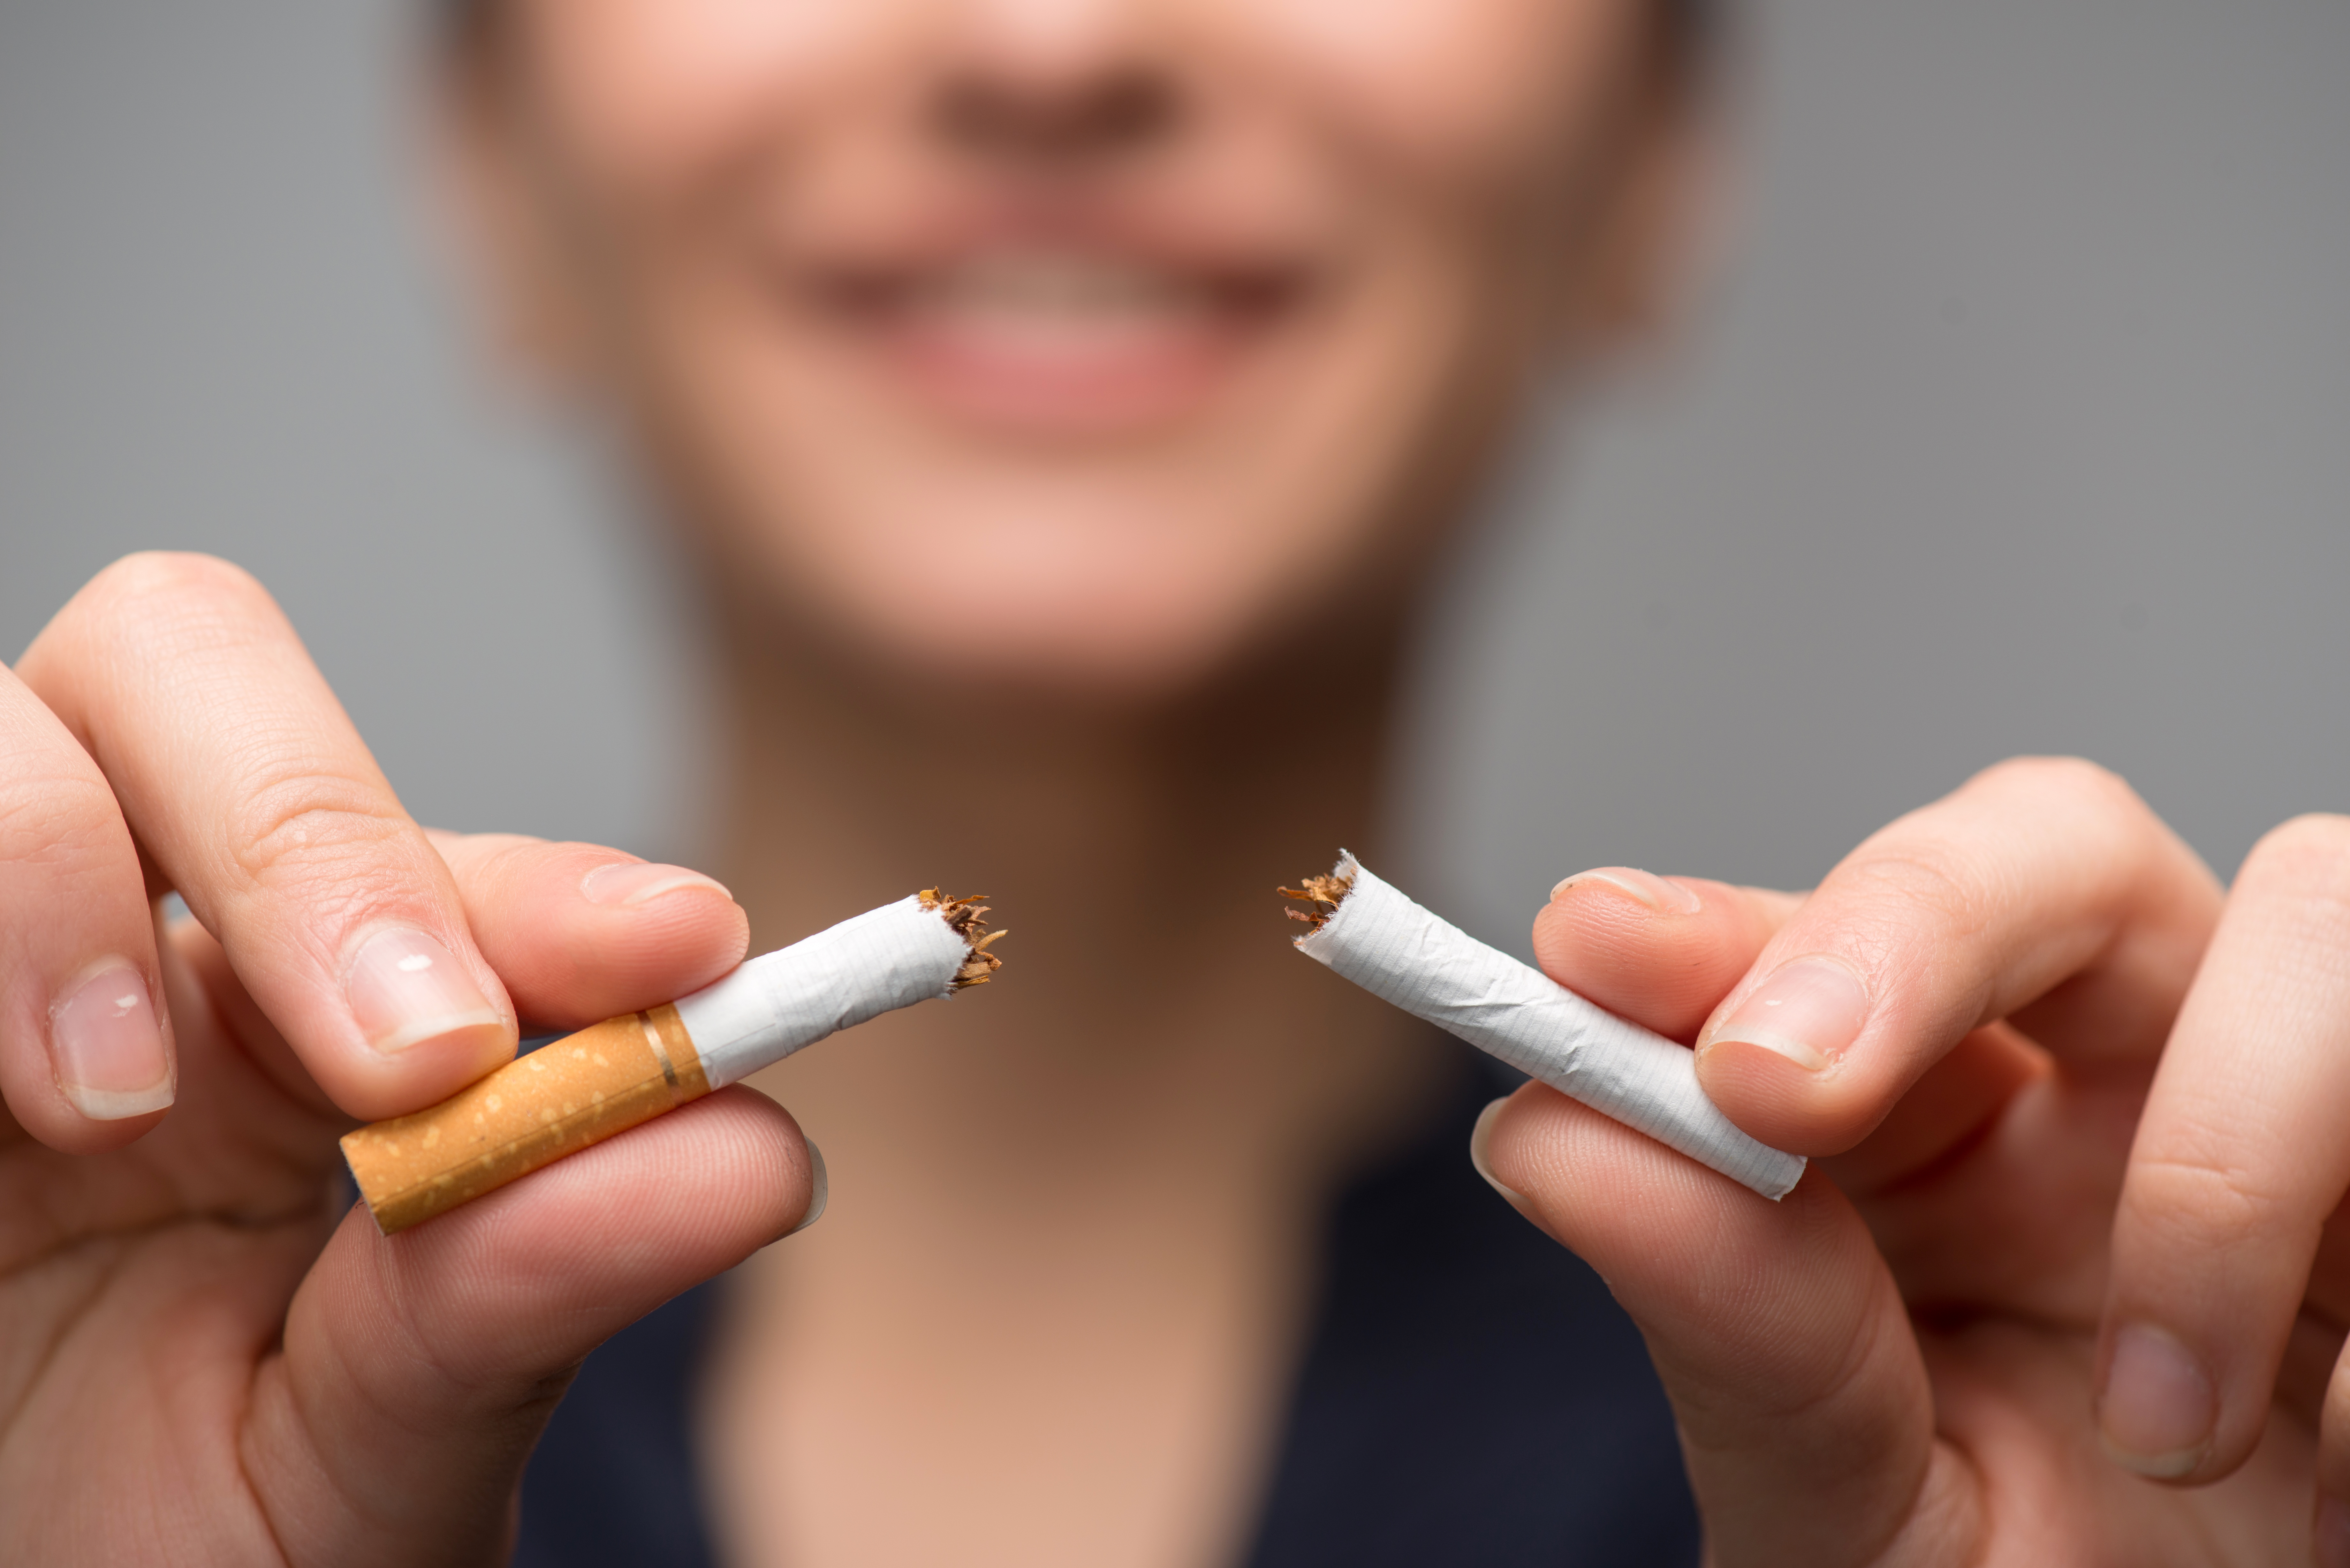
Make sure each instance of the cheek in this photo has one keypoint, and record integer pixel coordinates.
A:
(648, 94)
(1458, 89)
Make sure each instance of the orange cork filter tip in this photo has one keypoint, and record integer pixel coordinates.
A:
(565, 1095)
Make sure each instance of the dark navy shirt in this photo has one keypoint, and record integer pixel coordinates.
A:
(1469, 1397)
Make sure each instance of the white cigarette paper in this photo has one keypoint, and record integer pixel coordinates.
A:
(1403, 954)
(883, 959)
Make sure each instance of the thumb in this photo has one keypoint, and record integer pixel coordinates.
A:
(418, 1370)
(1805, 1415)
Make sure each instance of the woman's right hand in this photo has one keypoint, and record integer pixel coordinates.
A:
(2080, 1187)
(204, 1357)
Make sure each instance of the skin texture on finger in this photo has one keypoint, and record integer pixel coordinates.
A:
(86, 1058)
(420, 1368)
(1659, 950)
(579, 933)
(1805, 1415)
(2239, 1162)
(244, 781)
(2042, 891)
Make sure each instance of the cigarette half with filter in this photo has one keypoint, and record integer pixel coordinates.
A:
(585, 1087)
(1397, 950)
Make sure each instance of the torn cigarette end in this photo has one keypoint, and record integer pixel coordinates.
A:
(964, 918)
(582, 1089)
(1401, 953)
(1331, 889)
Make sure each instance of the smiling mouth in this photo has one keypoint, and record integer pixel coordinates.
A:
(1050, 340)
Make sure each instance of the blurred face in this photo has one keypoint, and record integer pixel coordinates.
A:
(1074, 345)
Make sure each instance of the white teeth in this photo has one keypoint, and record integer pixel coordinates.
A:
(1059, 284)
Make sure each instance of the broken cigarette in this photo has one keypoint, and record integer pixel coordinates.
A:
(585, 1087)
(1400, 952)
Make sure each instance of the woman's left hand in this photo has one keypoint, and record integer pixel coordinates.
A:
(2069, 1278)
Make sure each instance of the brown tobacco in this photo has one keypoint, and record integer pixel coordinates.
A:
(963, 915)
(1318, 891)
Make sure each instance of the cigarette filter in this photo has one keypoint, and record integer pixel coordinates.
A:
(581, 1089)
(1398, 952)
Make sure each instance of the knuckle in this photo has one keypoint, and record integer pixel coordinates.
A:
(2072, 782)
(2084, 816)
(497, 856)
(487, 864)
(2198, 1197)
(303, 817)
(58, 820)
(1904, 881)
(174, 577)
(2311, 852)
(160, 600)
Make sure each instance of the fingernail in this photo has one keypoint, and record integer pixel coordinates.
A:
(106, 1048)
(819, 1189)
(1646, 887)
(405, 988)
(2331, 1538)
(1479, 1136)
(639, 882)
(2157, 1412)
(1810, 1011)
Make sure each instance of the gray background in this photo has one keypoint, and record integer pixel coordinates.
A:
(2016, 419)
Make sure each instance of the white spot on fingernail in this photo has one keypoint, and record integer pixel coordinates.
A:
(125, 1003)
(415, 961)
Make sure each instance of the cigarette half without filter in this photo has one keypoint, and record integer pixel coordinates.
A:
(585, 1087)
(1397, 950)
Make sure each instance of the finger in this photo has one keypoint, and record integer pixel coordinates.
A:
(2043, 892)
(1663, 951)
(1805, 1414)
(245, 782)
(2240, 1159)
(418, 1370)
(579, 933)
(86, 1058)
(1659, 950)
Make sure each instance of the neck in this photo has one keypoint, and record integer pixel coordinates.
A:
(1132, 858)
(1068, 1259)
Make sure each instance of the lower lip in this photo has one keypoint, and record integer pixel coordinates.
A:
(1085, 378)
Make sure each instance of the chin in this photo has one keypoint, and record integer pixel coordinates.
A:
(1094, 627)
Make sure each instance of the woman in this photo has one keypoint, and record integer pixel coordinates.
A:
(1064, 401)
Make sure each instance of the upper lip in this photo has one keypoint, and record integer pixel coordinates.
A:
(1055, 260)
(1066, 280)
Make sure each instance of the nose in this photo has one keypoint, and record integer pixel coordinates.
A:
(1059, 82)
